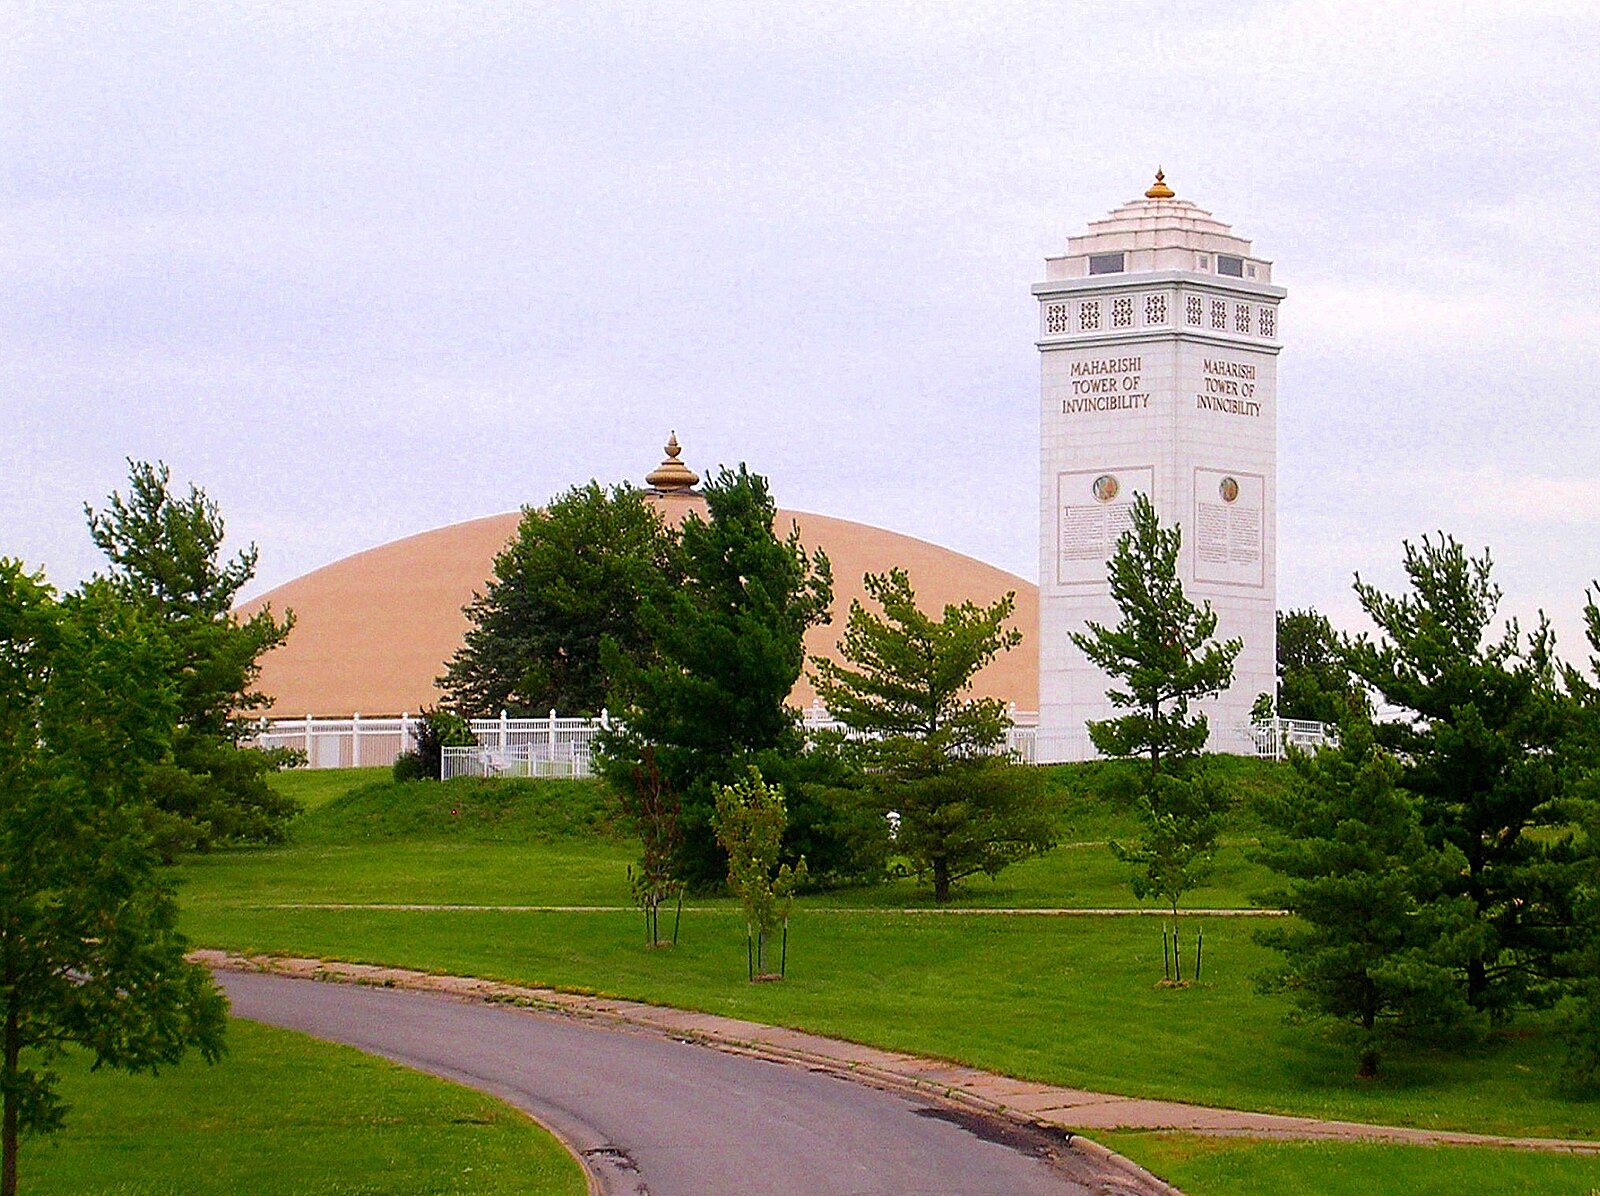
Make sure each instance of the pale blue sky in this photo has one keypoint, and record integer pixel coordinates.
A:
(361, 270)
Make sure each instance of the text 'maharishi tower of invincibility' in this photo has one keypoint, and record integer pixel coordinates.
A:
(1158, 332)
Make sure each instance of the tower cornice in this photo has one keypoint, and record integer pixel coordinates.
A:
(1143, 280)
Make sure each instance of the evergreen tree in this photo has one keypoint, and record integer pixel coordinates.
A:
(729, 645)
(1161, 657)
(1579, 1014)
(166, 558)
(1376, 941)
(905, 677)
(1480, 749)
(930, 748)
(578, 572)
(89, 951)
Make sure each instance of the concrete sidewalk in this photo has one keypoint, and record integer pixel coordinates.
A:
(986, 911)
(1044, 1104)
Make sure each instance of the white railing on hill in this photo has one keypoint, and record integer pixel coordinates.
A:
(340, 742)
(1272, 738)
(1269, 739)
(561, 747)
(526, 747)
(360, 742)
(1020, 738)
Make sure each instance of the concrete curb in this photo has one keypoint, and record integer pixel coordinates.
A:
(1060, 1112)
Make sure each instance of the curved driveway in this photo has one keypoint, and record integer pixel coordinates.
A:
(659, 1117)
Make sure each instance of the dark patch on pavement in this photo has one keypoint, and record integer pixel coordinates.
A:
(610, 1164)
(1030, 1140)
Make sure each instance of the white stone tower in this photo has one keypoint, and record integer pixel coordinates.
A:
(1158, 331)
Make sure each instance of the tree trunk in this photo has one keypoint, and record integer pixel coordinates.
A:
(941, 880)
(1477, 981)
(1367, 1068)
(13, 1056)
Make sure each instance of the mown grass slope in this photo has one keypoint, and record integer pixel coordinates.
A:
(283, 1115)
(1069, 999)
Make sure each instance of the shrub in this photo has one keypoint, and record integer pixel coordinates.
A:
(435, 730)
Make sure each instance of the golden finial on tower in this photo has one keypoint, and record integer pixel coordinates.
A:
(1159, 189)
(672, 476)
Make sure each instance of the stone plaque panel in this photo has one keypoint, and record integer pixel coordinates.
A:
(1093, 508)
(1229, 527)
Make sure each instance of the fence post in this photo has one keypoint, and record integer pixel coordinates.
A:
(309, 764)
(355, 740)
(505, 729)
(552, 755)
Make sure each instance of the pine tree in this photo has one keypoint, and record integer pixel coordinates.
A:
(1376, 940)
(1579, 1012)
(1480, 746)
(902, 684)
(729, 646)
(166, 558)
(1161, 657)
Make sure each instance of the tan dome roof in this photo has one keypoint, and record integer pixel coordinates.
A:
(372, 631)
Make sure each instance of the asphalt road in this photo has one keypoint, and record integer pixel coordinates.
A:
(660, 1117)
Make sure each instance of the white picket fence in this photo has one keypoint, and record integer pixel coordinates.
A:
(550, 746)
(1273, 738)
(526, 747)
(340, 742)
(1020, 738)
(561, 747)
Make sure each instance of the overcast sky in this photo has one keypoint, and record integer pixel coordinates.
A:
(362, 270)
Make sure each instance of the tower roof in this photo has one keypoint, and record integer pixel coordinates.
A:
(1156, 231)
(1158, 220)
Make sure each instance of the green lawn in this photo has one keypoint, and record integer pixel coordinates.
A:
(1071, 1000)
(287, 1114)
(467, 844)
(1245, 1167)
(314, 787)
(1066, 999)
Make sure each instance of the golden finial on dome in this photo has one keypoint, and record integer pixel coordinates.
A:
(1159, 189)
(672, 476)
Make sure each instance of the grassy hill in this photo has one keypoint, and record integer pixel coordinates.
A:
(1073, 999)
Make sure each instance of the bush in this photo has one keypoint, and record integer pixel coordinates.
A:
(435, 731)
(836, 820)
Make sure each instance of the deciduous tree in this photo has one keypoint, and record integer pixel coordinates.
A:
(578, 572)
(749, 821)
(89, 951)
(1314, 678)
(654, 809)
